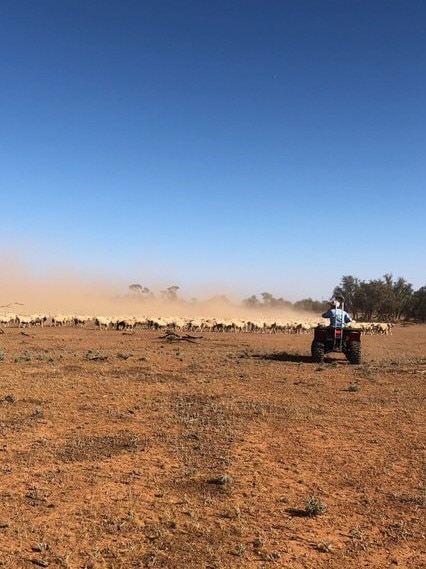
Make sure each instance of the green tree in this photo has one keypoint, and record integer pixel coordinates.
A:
(170, 293)
(349, 289)
(369, 298)
(417, 308)
(251, 302)
(282, 303)
(139, 289)
(309, 305)
(268, 299)
(403, 298)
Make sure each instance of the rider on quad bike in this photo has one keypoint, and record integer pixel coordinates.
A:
(338, 317)
(336, 337)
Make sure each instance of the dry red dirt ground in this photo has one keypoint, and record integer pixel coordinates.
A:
(231, 451)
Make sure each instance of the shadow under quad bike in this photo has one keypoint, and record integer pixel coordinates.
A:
(343, 340)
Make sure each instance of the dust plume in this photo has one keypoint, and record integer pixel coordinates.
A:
(64, 292)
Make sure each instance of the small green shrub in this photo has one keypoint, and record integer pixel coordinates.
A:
(25, 357)
(122, 356)
(314, 506)
(94, 356)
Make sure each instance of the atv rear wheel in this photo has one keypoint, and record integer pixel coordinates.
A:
(318, 351)
(354, 353)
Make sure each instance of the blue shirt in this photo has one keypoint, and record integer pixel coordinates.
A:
(338, 317)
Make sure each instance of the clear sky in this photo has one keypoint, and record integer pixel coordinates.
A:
(228, 146)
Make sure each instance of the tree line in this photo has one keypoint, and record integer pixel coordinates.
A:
(386, 299)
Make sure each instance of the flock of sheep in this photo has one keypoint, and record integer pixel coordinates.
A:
(127, 323)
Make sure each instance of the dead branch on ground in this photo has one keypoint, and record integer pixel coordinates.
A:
(171, 336)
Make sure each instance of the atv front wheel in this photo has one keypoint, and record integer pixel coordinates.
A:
(318, 351)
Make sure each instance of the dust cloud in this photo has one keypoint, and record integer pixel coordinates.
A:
(25, 292)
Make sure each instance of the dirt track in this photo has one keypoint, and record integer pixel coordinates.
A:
(126, 450)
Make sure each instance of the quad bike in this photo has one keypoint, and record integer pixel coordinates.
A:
(344, 340)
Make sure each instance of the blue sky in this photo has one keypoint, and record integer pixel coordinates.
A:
(233, 147)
